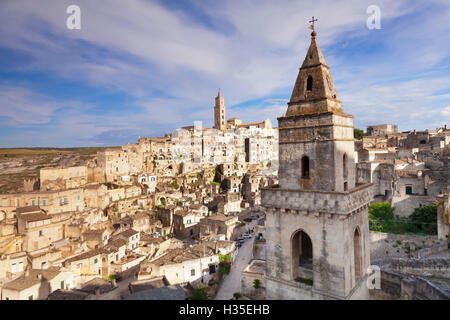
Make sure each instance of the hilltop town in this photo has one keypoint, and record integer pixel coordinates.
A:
(186, 210)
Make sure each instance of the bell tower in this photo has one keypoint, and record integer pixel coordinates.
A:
(317, 226)
(220, 119)
(321, 132)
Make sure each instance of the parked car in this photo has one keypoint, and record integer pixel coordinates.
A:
(247, 236)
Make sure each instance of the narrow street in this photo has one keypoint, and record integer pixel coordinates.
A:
(232, 282)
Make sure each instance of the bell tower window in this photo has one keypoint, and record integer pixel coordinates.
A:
(305, 167)
(344, 166)
(309, 83)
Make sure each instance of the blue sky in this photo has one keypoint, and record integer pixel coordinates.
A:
(143, 68)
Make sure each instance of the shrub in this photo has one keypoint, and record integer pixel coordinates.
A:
(309, 282)
(237, 295)
(113, 276)
(199, 294)
(224, 267)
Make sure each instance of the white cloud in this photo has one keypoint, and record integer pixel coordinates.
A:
(139, 47)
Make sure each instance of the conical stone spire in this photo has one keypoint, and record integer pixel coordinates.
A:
(314, 90)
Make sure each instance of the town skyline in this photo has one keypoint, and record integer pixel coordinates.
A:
(159, 66)
(312, 208)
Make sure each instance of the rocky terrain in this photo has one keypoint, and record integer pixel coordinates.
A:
(19, 164)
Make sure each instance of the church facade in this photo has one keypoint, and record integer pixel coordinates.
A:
(317, 227)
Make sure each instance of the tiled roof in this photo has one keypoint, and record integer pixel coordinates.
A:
(127, 233)
(24, 281)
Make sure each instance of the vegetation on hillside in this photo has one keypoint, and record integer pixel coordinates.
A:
(358, 133)
(423, 221)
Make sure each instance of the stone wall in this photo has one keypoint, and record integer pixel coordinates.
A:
(395, 285)
(405, 205)
(395, 245)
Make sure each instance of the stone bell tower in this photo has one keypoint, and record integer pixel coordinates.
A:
(317, 226)
(220, 119)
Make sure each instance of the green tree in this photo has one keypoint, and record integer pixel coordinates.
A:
(199, 294)
(358, 133)
(381, 215)
(424, 219)
(257, 284)
(382, 210)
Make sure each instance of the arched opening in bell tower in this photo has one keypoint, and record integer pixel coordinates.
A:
(309, 83)
(357, 253)
(302, 255)
(345, 171)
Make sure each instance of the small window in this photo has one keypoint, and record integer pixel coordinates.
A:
(44, 202)
(40, 233)
(193, 272)
(62, 285)
(309, 83)
(95, 260)
(305, 167)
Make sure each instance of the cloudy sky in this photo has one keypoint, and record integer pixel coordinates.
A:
(143, 67)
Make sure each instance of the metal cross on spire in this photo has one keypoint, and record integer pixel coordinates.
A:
(312, 23)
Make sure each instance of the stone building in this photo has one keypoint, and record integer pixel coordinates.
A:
(382, 129)
(218, 224)
(37, 284)
(63, 178)
(317, 217)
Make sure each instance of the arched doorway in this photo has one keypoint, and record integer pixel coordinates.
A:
(302, 255)
(357, 253)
